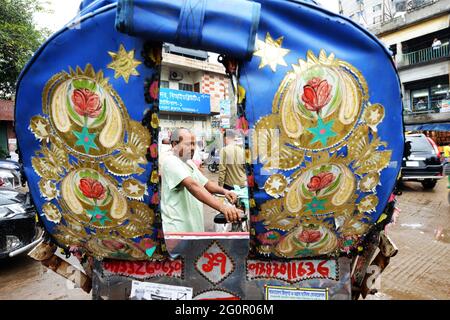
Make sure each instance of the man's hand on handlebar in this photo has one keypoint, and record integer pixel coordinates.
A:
(232, 214)
(231, 196)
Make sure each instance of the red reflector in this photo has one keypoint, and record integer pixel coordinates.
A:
(435, 147)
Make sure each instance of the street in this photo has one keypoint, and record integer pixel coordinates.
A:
(419, 271)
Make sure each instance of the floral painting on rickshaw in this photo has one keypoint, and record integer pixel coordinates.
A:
(89, 161)
(323, 156)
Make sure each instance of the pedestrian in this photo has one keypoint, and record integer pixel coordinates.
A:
(436, 44)
(185, 189)
(446, 150)
(232, 163)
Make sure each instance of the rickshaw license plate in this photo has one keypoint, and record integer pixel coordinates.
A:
(412, 163)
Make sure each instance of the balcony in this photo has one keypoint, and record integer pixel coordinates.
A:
(425, 55)
(438, 110)
(412, 5)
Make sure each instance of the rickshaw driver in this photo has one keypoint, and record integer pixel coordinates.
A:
(185, 189)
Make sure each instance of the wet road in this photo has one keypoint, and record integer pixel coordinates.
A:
(421, 269)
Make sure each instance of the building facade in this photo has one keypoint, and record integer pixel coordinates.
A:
(418, 36)
(368, 12)
(8, 141)
(193, 88)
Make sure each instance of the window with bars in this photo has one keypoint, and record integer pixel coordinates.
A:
(185, 86)
(376, 8)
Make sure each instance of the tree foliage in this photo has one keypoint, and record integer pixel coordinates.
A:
(19, 39)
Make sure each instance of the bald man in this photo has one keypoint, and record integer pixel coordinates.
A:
(185, 189)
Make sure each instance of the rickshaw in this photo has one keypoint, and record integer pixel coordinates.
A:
(319, 103)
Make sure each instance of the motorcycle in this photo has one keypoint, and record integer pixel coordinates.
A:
(213, 162)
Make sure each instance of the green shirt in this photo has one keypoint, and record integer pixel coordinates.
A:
(181, 211)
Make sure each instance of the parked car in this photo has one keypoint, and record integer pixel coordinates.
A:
(18, 229)
(11, 174)
(424, 164)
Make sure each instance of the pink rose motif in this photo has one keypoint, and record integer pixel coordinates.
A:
(87, 103)
(251, 181)
(154, 150)
(155, 198)
(242, 125)
(92, 189)
(154, 90)
(320, 181)
(316, 94)
(269, 238)
(309, 236)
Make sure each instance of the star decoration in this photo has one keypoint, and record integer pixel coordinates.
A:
(276, 185)
(374, 116)
(368, 183)
(315, 205)
(41, 127)
(51, 212)
(368, 203)
(98, 215)
(48, 188)
(271, 52)
(124, 64)
(85, 139)
(133, 188)
(322, 132)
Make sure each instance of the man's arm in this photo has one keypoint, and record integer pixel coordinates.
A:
(232, 214)
(213, 187)
(222, 167)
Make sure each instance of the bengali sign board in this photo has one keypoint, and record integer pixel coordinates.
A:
(184, 101)
(157, 291)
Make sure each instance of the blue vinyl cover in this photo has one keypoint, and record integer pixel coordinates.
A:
(297, 26)
(225, 26)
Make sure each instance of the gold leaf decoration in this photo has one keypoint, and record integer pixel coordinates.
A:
(364, 152)
(68, 237)
(271, 149)
(374, 162)
(369, 181)
(51, 212)
(51, 163)
(139, 222)
(40, 128)
(132, 154)
(48, 189)
(275, 217)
